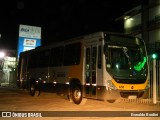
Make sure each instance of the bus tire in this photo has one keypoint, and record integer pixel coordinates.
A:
(33, 91)
(76, 94)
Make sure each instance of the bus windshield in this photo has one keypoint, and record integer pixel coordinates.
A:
(126, 58)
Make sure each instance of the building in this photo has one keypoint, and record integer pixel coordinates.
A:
(7, 67)
(144, 21)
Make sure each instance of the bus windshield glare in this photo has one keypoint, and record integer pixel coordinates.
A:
(126, 58)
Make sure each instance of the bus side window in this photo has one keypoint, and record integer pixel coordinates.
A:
(57, 56)
(72, 54)
(44, 58)
(99, 58)
(33, 60)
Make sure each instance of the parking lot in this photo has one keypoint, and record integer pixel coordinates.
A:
(51, 106)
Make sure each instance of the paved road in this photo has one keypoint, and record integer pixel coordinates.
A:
(53, 107)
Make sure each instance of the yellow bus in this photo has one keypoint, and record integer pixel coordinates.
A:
(101, 65)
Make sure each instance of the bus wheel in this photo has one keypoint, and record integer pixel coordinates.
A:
(76, 94)
(33, 91)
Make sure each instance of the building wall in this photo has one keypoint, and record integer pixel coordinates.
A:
(154, 36)
(154, 24)
(132, 23)
(154, 11)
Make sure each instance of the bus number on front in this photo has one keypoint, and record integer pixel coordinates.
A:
(121, 86)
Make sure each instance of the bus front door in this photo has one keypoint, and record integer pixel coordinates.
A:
(90, 71)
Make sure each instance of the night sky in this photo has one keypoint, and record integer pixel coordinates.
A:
(60, 19)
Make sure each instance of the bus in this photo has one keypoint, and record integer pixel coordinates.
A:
(101, 65)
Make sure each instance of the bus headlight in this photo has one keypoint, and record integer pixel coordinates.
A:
(110, 85)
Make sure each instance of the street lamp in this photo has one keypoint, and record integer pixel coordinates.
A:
(2, 54)
(154, 58)
(154, 55)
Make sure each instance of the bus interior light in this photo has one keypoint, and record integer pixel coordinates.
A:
(67, 83)
(55, 82)
(44, 81)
